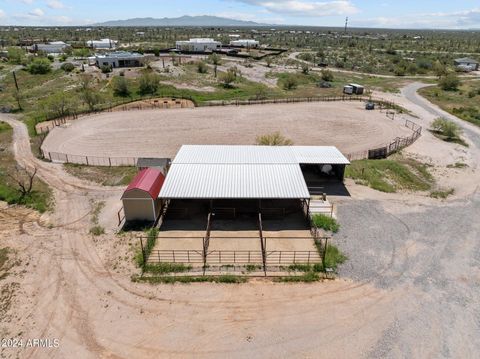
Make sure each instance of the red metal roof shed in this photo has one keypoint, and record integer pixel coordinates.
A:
(149, 180)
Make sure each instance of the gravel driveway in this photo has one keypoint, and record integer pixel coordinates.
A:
(429, 255)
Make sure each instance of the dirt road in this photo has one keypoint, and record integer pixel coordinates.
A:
(410, 289)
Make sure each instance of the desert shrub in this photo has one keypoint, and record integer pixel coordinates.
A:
(290, 83)
(334, 257)
(202, 67)
(106, 69)
(399, 71)
(446, 128)
(67, 67)
(120, 86)
(39, 66)
(228, 78)
(97, 230)
(273, 139)
(325, 222)
(327, 75)
(449, 82)
(149, 84)
(305, 69)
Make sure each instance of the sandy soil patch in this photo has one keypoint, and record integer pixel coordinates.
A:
(150, 133)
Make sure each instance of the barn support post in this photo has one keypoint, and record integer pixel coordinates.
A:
(144, 260)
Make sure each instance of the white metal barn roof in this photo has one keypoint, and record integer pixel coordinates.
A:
(219, 154)
(215, 172)
(234, 181)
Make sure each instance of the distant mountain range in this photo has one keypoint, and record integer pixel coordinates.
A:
(200, 21)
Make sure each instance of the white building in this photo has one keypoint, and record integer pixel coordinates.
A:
(198, 45)
(120, 59)
(54, 47)
(102, 44)
(249, 43)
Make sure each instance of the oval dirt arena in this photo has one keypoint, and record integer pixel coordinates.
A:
(160, 133)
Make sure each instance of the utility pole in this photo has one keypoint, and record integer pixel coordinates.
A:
(346, 24)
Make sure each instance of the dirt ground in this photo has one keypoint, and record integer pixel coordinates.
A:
(156, 133)
(410, 288)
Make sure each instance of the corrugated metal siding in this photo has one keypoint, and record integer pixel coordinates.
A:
(191, 154)
(234, 181)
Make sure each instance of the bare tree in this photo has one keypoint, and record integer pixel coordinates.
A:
(23, 178)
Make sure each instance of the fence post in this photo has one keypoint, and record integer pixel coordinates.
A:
(143, 253)
(325, 254)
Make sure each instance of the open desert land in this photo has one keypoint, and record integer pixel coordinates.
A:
(410, 287)
(153, 133)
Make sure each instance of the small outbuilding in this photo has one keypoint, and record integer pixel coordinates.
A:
(198, 45)
(248, 43)
(140, 199)
(353, 89)
(466, 64)
(160, 164)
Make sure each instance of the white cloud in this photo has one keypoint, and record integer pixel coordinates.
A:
(28, 1)
(251, 17)
(55, 4)
(2, 14)
(65, 20)
(452, 20)
(36, 12)
(306, 8)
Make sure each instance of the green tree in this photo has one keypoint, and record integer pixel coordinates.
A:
(216, 61)
(59, 105)
(16, 55)
(439, 69)
(88, 93)
(39, 66)
(120, 86)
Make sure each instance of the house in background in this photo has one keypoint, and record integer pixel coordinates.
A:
(466, 64)
(248, 43)
(198, 45)
(103, 44)
(120, 59)
(54, 47)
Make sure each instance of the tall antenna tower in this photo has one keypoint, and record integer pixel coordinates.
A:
(346, 24)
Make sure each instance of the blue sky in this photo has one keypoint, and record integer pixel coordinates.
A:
(461, 14)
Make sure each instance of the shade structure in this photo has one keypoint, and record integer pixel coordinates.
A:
(244, 172)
